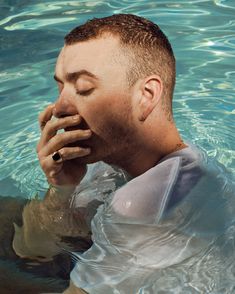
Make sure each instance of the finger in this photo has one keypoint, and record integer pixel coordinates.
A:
(45, 115)
(68, 153)
(61, 140)
(52, 167)
(53, 126)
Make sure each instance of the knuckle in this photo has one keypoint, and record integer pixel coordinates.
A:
(51, 173)
(54, 140)
(61, 122)
(60, 137)
(38, 148)
(79, 149)
(40, 116)
(50, 123)
(65, 137)
(44, 165)
(76, 150)
(77, 133)
(39, 156)
(63, 152)
(50, 126)
(65, 121)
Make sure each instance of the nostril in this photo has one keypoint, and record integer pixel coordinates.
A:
(59, 114)
(62, 110)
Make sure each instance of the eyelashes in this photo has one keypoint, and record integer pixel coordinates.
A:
(78, 92)
(85, 92)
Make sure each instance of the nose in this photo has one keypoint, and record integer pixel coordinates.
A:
(64, 105)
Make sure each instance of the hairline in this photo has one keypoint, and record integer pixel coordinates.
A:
(129, 52)
(124, 51)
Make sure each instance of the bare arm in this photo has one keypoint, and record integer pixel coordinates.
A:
(46, 222)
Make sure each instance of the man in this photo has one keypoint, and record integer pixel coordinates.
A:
(116, 78)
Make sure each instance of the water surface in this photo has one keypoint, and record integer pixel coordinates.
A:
(203, 39)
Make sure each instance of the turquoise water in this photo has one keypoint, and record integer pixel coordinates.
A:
(203, 38)
(202, 34)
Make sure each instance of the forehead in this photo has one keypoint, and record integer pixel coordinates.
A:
(98, 56)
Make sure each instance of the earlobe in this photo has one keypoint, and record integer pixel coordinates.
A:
(150, 95)
(145, 107)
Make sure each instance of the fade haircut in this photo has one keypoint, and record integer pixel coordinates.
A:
(147, 47)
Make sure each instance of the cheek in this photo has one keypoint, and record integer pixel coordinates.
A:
(105, 116)
(115, 125)
(93, 117)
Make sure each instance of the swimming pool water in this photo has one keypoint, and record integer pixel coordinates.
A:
(203, 39)
(202, 33)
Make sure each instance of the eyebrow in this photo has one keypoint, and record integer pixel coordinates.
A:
(74, 76)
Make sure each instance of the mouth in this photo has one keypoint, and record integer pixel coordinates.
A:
(78, 143)
(68, 129)
(81, 126)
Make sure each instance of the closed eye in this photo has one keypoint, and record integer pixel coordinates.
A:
(85, 92)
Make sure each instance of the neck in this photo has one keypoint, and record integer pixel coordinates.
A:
(150, 141)
(139, 163)
(143, 159)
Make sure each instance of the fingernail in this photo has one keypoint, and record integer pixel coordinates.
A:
(76, 117)
(88, 132)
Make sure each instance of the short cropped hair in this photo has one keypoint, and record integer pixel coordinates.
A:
(148, 48)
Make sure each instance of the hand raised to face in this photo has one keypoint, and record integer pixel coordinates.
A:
(57, 155)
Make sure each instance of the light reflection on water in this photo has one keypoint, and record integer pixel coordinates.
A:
(202, 35)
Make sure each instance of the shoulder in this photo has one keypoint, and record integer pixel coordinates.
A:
(146, 197)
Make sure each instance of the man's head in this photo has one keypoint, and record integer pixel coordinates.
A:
(115, 72)
(146, 48)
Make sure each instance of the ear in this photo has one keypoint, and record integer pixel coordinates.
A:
(151, 92)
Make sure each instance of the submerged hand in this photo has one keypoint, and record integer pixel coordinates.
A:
(69, 171)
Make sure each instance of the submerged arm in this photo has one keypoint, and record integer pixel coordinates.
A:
(46, 222)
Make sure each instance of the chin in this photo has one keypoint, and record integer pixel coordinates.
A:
(99, 150)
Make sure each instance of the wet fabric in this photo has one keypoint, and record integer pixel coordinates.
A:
(153, 222)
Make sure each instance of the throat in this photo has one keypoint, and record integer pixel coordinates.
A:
(138, 160)
(135, 163)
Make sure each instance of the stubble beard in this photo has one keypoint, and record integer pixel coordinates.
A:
(122, 136)
(114, 141)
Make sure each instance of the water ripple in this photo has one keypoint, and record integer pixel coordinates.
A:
(204, 48)
(34, 24)
(202, 35)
